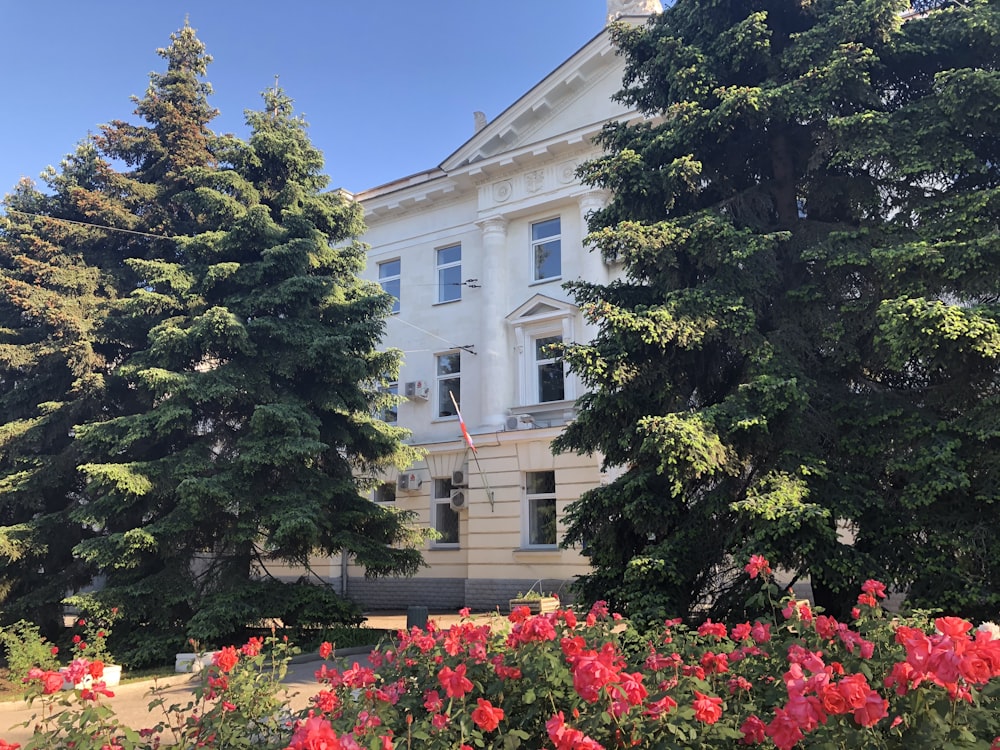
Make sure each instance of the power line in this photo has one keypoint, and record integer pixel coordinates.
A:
(88, 224)
(466, 348)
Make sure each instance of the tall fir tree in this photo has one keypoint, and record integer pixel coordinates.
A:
(64, 263)
(190, 373)
(802, 359)
(258, 393)
(53, 369)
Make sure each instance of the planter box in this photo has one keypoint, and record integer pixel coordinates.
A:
(537, 605)
(192, 662)
(112, 677)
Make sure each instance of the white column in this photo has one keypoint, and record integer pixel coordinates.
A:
(496, 365)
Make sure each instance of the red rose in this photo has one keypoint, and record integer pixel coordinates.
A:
(707, 708)
(314, 732)
(454, 681)
(486, 716)
(875, 708)
(226, 658)
(51, 682)
(325, 649)
(953, 627)
(784, 730)
(753, 731)
(834, 701)
(855, 689)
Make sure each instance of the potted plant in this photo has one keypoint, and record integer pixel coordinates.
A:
(537, 602)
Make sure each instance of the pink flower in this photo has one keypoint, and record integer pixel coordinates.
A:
(783, 730)
(325, 649)
(874, 709)
(315, 733)
(874, 587)
(753, 731)
(758, 565)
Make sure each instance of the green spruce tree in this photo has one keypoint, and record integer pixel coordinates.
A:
(802, 358)
(258, 392)
(53, 368)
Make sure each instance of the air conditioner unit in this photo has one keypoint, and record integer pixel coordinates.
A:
(408, 482)
(417, 389)
(460, 477)
(519, 422)
(459, 499)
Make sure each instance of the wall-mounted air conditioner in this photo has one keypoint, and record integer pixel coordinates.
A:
(519, 422)
(408, 482)
(459, 499)
(460, 477)
(417, 389)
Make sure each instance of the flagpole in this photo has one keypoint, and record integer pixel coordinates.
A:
(475, 454)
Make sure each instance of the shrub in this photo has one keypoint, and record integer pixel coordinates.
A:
(570, 680)
(26, 648)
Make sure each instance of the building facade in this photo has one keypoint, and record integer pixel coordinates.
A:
(476, 252)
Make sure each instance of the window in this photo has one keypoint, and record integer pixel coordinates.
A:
(546, 249)
(449, 273)
(540, 325)
(540, 508)
(388, 277)
(385, 492)
(449, 383)
(389, 413)
(444, 519)
(549, 374)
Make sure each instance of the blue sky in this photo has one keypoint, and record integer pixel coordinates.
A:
(388, 87)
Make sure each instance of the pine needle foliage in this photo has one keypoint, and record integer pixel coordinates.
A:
(802, 358)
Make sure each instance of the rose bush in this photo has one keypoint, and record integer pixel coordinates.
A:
(569, 680)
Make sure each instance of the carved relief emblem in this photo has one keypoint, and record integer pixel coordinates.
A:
(534, 181)
(502, 190)
(567, 172)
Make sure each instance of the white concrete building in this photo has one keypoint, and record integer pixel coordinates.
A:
(476, 251)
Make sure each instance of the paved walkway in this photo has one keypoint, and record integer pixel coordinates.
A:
(131, 700)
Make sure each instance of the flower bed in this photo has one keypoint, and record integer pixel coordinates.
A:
(566, 680)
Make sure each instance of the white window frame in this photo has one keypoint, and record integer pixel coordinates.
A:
(528, 509)
(388, 280)
(537, 246)
(540, 360)
(442, 400)
(441, 488)
(442, 269)
(558, 319)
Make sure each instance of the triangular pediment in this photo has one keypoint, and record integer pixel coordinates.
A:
(540, 307)
(568, 105)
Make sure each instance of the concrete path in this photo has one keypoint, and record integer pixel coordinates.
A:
(131, 700)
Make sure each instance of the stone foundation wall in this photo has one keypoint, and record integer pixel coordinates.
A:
(440, 594)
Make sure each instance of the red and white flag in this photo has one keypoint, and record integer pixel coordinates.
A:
(461, 423)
